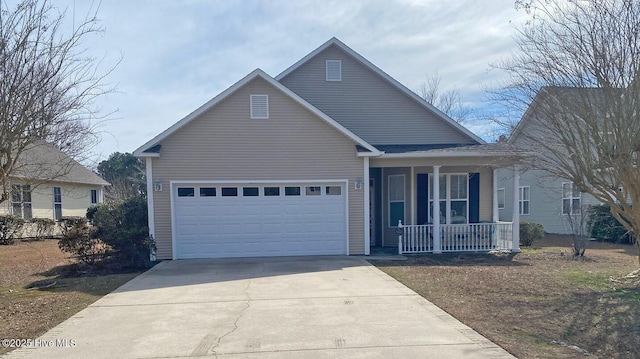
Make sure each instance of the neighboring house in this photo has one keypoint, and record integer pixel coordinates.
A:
(326, 158)
(49, 184)
(542, 197)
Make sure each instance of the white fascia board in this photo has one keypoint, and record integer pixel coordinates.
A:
(370, 154)
(333, 123)
(146, 154)
(200, 110)
(446, 155)
(528, 113)
(255, 73)
(384, 75)
(306, 58)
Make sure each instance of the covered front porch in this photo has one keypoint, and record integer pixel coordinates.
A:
(462, 182)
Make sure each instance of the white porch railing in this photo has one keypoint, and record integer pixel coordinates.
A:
(472, 237)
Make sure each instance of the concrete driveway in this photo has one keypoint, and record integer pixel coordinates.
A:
(291, 307)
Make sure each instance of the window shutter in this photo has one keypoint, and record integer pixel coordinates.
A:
(259, 106)
(474, 197)
(334, 70)
(423, 198)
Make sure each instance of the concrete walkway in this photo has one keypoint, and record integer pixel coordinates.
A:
(291, 307)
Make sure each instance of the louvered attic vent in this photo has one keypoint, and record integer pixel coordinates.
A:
(334, 70)
(259, 107)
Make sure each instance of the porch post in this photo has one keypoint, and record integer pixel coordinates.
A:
(435, 215)
(413, 196)
(515, 217)
(496, 214)
(367, 218)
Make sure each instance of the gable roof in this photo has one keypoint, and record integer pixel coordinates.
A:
(393, 82)
(151, 148)
(45, 162)
(593, 95)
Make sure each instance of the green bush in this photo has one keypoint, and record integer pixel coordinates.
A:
(123, 227)
(69, 223)
(604, 226)
(83, 242)
(91, 211)
(42, 228)
(10, 228)
(530, 232)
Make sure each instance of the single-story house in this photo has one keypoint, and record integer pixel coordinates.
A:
(47, 183)
(332, 156)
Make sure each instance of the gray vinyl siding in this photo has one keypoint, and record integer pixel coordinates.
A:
(225, 144)
(368, 105)
(545, 205)
(390, 238)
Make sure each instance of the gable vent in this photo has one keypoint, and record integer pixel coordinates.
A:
(259, 106)
(334, 70)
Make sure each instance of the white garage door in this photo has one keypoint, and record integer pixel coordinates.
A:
(252, 220)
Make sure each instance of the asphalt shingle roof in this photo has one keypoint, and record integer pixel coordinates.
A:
(45, 162)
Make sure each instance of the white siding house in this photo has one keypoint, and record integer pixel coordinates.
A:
(49, 184)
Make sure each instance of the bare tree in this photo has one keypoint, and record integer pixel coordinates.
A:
(578, 219)
(450, 102)
(48, 87)
(581, 59)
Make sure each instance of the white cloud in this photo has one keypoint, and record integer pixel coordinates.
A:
(179, 54)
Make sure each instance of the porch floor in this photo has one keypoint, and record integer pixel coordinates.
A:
(385, 253)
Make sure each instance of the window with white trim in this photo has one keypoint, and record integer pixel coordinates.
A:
(396, 199)
(57, 203)
(502, 199)
(524, 200)
(94, 196)
(334, 70)
(21, 201)
(570, 198)
(259, 107)
(454, 198)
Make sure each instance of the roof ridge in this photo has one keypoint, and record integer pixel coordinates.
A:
(402, 88)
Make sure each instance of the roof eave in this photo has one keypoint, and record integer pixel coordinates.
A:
(144, 154)
(454, 155)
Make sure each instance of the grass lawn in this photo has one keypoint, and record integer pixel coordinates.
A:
(29, 312)
(541, 303)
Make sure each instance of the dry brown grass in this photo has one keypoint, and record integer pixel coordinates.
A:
(541, 303)
(28, 312)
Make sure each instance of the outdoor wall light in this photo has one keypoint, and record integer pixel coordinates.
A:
(358, 183)
(157, 186)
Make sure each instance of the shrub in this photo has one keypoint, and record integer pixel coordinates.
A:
(530, 232)
(42, 227)
(604, 226)
(123, 227)
(91, 211)
(10, 228)
(69, 223)
(83, 242)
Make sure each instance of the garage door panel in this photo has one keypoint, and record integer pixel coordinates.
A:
(216, 226)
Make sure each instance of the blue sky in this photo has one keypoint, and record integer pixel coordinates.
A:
(176, 55)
